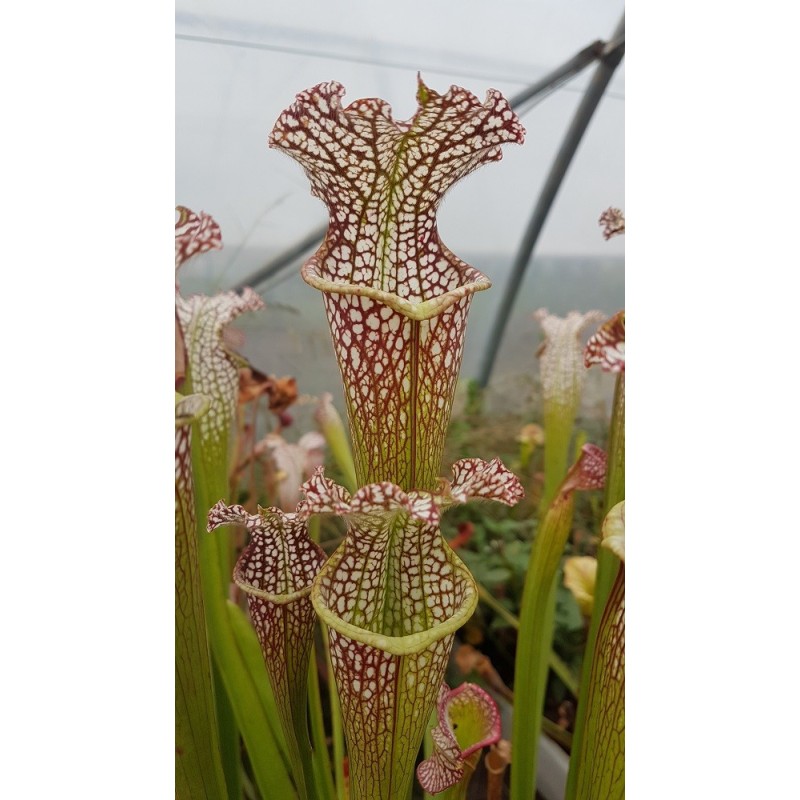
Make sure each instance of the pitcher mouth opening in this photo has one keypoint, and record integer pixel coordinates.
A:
(474, 281)
(408, 644)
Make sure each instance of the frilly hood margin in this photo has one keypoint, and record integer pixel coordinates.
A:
(396, 297)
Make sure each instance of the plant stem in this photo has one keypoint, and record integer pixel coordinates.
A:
(557, 733)
(490, 600)
(558, 666)
(336, 721)
(535, 641)
(607, 567)
(496, 761)
(558, 423)
(314, 531)
(229, 747)
(320, 760)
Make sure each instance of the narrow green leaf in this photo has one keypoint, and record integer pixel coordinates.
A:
(230, 745)
(198, 768)
(214, 568)
(320, 761)
(336, 721)
(555, 662)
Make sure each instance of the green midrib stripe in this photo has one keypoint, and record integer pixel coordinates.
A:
(391, 210)
(412, 417)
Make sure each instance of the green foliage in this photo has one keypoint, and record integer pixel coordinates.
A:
(570, 627)
(498, 554)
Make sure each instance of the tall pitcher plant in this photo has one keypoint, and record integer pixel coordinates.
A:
(396, 298)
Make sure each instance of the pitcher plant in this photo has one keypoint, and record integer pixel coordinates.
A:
(392, 595)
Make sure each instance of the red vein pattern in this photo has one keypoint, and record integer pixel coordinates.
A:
(607, 346)
(386, 707)
(588, 472)
(601, 762)
(602, 772)
(396, 297)
(393, 595)
(201, 320)
(399, 379)
(469, 720)
(382, 180)
(195, 234)
(212, 369)
(489, 480)
(275, 570)
(612, 220)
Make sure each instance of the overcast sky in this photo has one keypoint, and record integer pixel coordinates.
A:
(228, 97)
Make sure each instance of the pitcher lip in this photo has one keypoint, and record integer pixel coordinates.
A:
(408, 644)
(418, 311)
